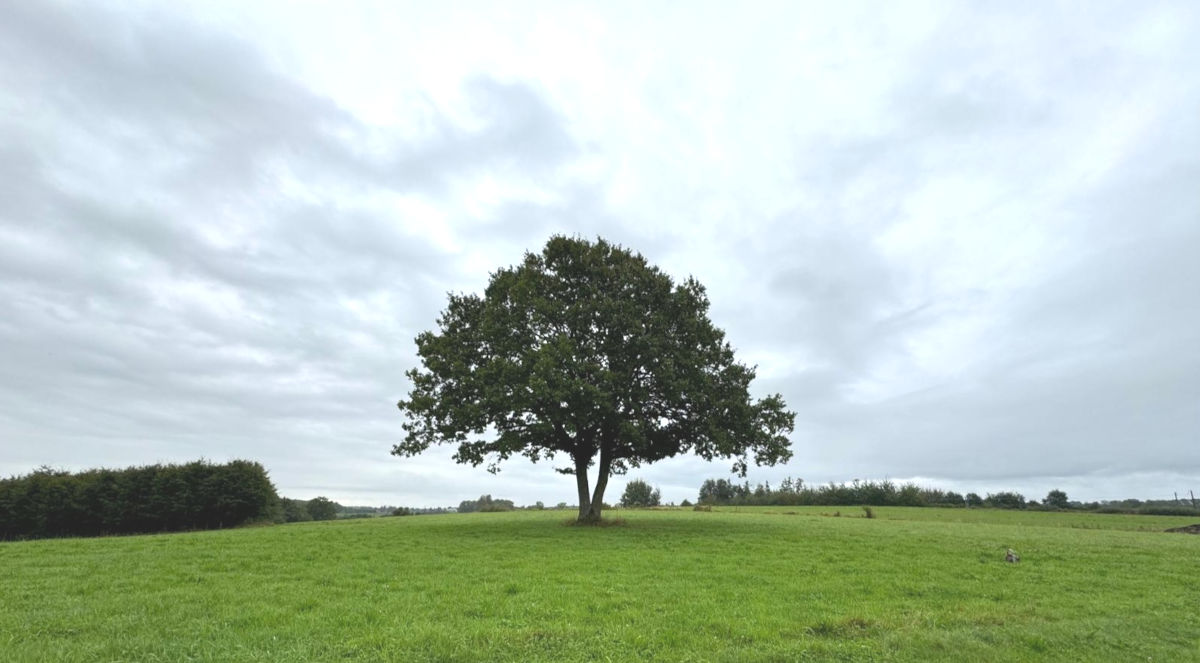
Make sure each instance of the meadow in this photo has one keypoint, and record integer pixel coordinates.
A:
(749, 584)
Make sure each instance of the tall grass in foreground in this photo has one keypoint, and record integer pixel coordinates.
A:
(754, 585)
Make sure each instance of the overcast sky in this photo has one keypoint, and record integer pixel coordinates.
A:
(962, 241)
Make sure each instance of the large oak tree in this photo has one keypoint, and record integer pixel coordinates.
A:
(587, 351)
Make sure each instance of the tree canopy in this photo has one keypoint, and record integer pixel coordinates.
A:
(150, 498)
(587, 351)
(1056, 499)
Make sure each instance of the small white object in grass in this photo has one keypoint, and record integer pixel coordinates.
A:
(1012, 556)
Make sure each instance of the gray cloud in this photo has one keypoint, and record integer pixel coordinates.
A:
(938, 235)
(162, 299)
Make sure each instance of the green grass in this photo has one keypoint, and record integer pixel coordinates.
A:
(730, 585)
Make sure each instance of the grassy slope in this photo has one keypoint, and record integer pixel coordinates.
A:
(737, 586)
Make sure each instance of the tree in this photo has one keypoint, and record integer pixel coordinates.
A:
(721, 491)
(295, 511)
(640, 493)
(973, 499)
(485, 503)
(587, 351)
(322, 508)
(151, 498)
(1056, 499)
(1005, 500)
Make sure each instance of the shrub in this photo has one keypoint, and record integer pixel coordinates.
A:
(1167, 511)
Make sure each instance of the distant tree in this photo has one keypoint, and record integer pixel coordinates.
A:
(790, 486)
(295, 511)
(538, 505)
(485, 503)
(685, 502)
(973, 499)
(1056, 499)
(497, 505)
(587, 350)
(722, 491)
(640, 493)
(322, 508)
(909, 495)
(1005, 500)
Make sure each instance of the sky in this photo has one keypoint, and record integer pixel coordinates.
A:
(961, 240)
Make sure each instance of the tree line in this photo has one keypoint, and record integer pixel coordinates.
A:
(299, 511)
(152, 498)
(485, 503)
(794, 492)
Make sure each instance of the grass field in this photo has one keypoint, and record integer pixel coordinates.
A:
(772, 584)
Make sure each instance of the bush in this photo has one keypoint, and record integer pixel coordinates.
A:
(1167, 511)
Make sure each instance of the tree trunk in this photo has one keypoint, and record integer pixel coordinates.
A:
(592, 515)
(581, 482)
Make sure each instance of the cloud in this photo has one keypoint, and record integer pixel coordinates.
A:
(200, 256)
(956, 239)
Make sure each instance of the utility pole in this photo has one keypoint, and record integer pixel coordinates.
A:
(1193, 498)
